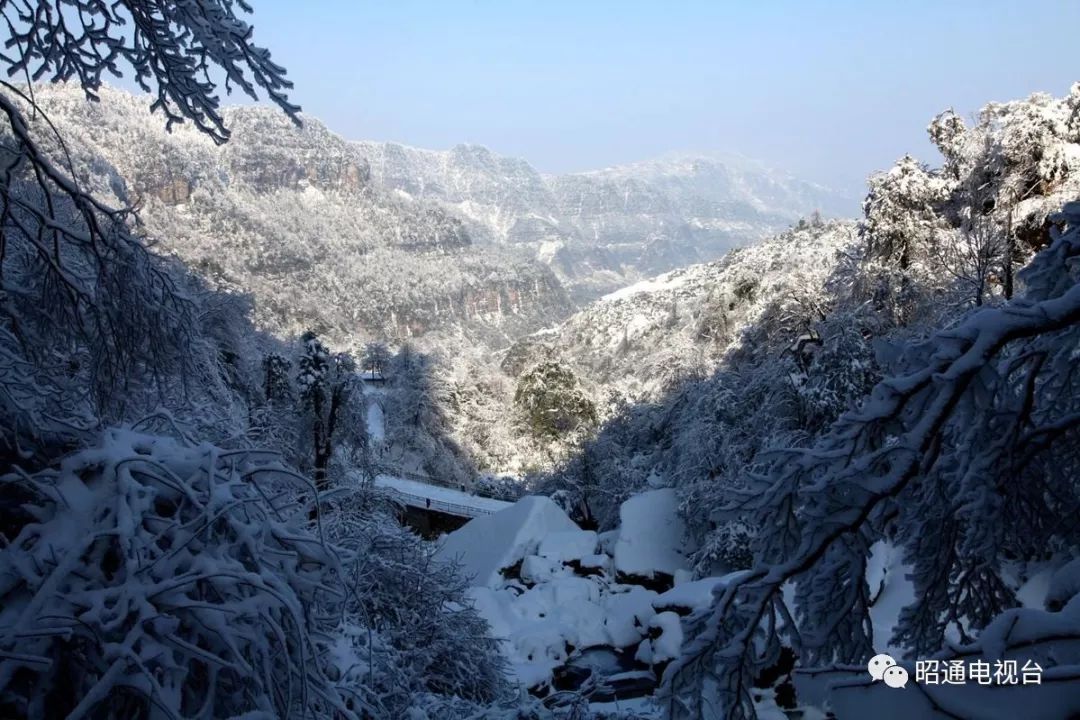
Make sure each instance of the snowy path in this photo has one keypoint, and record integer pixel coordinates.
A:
(434, 497)
(376, 424)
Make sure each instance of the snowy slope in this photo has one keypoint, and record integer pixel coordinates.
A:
(643, 336)
(292, 216)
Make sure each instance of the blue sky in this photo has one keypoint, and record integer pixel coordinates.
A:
(828, 90)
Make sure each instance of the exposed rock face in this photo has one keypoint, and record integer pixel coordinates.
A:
(290, 214)
(174, 192)
(268, 152)
(510, 305)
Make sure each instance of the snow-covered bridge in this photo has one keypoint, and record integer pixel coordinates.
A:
(431, 508)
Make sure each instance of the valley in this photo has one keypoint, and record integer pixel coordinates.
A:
(294, 424)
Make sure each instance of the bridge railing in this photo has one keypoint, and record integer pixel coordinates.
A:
(426, 503)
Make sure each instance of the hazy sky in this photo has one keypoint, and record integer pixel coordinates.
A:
(828, 90)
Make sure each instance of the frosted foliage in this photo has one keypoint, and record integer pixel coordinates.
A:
(148, 575)
(145, 575)
(170, 46)
(967, 451)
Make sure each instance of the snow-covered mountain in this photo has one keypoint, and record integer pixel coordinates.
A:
(290, 215)
(359, 238)
(644, 337)
(604, 229)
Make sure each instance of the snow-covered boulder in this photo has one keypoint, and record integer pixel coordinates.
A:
(544, 624)
(536, 569)
(651, 536)
(595, 563)
(1064, 585)
(488, 544)
(664, 642)
(607, 540)
(687, 597)
(568, 546)
(626, 616)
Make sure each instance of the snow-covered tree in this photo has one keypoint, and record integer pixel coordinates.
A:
(114, 329)
(376, 358)
(327, 387)
(965, 456)
(147, 576)
(419, 398)
(552, 402)
(169, 46)
(277, 386)
(901, 226)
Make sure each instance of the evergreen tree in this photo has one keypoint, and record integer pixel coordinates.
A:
(326, 385)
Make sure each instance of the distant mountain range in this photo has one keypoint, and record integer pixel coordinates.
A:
(601, 230)
(361, 239)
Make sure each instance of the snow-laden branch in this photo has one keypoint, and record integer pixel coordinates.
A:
(871, 455)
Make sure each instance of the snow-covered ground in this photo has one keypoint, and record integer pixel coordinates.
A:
(376, 423)
(552, 595)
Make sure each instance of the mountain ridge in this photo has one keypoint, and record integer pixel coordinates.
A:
(605, 228)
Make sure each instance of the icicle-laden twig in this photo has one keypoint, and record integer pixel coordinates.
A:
(152, 579)
(841, 488)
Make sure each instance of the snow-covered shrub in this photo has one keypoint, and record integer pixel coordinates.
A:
(727, 547)
(434, 639)
(552, 403)
(145, 578)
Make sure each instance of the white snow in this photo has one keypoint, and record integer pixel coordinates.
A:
(1064, 584)
(667, 281)
(548, 613)
(538, 627)
(651, 535)
(696, 594)
(570, 545)
(536, 569)
(886, 576)
(376, 424)
(486, 545)
(443, 499)
(626, 615)
(665, 646)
